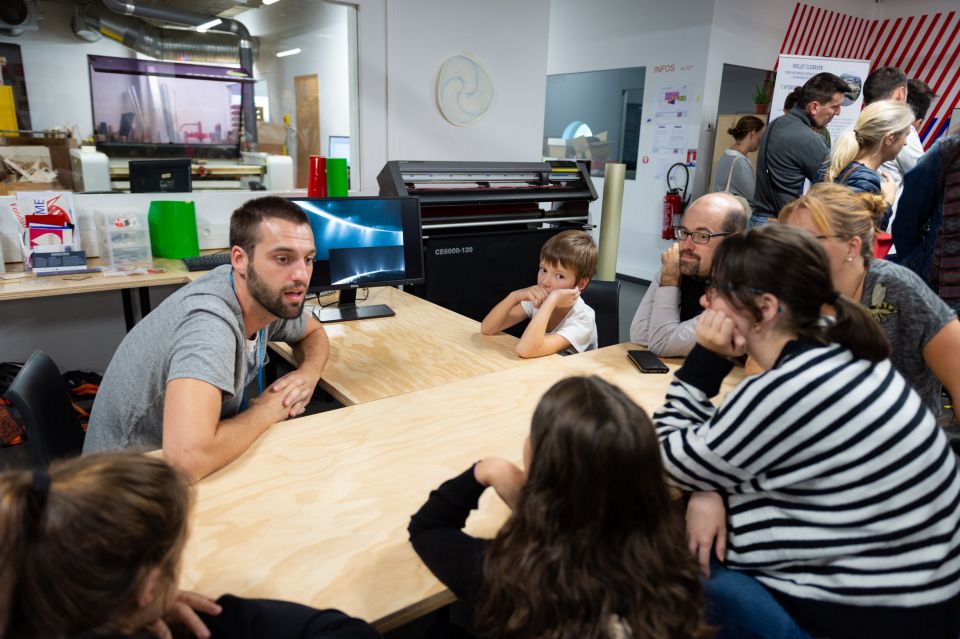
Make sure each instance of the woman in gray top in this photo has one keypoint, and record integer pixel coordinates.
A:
(923, 331)
(734, 172)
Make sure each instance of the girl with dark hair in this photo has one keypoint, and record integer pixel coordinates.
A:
(841, 493)
(92, 549)
(592, 549)
(733, 173)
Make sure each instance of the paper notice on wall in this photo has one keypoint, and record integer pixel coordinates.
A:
(794, 70)
(669, 147)
(673, 104)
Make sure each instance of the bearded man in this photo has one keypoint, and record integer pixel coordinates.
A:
(666, 320)
(178, 380)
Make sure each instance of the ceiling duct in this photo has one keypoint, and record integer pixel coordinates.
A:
(18, 16)
(95, 21)
(243, 42)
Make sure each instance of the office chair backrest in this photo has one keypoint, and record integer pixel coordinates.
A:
(43, 401)
(604, 299)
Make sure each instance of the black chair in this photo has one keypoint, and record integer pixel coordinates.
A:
(43, 401)
(604, 299)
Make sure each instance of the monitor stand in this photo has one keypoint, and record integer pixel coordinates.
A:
(347, 309)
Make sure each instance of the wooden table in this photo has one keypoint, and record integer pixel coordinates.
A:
(422, 346)
(16, 285)
(316, 510)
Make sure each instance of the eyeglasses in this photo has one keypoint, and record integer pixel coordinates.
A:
(826, 237)
(698, 237)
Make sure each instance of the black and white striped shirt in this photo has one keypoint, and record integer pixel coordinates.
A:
(840, 485)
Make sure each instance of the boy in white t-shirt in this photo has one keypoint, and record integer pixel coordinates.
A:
(560, 322)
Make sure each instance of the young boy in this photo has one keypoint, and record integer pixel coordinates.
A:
(560, 321)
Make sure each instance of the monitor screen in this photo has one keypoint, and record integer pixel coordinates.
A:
(364, 241)
(144, 108)
(339, 147)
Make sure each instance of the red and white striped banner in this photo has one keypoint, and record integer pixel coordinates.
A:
(925, 47)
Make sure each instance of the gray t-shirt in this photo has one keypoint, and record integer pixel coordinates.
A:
(195, 333)
(910, 314)
(742, 180)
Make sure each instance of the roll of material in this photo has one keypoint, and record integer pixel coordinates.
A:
(337, 177)
(173, 229)
(317, 180)
(613, 176)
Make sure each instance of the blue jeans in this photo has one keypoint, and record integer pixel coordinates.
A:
(757, 220)
(743, 608)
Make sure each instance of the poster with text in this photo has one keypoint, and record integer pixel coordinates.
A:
(794, 70)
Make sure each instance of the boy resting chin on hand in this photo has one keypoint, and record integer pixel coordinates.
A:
(560, 322)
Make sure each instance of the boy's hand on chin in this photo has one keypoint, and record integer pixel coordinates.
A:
(533, 294)
(565, 296)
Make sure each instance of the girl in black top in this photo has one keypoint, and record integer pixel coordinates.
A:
(92, 549)
(592, 549)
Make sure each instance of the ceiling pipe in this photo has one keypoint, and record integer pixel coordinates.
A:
(94, 21)
(191, 19)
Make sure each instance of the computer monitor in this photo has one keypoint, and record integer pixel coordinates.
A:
(363, 242)
(338, 146)
(161, 176)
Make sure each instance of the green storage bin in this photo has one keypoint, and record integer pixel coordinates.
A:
(173, 229)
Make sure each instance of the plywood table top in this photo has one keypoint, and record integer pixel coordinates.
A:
(19, 285)
(316, 510)
(424, 345)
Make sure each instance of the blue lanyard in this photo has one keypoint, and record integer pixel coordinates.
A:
(261, 356)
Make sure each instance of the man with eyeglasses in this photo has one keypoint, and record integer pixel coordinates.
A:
(666, 320)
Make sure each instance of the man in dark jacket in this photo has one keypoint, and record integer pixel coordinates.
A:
(791, 150)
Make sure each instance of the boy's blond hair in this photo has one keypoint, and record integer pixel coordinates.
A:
(572, 250)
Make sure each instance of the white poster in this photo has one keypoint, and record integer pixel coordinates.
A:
(794, 70)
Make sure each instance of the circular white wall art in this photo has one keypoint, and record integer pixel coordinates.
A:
(464, 90)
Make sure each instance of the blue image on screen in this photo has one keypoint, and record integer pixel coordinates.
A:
(360, 240)
(366, 265)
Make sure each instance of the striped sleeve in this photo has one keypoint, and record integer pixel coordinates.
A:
(841, 487)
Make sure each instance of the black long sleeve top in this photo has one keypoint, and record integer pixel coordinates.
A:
(436, 532)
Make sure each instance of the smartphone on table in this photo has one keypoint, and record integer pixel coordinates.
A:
(647, 362)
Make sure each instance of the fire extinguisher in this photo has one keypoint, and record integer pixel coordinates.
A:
(674, 203)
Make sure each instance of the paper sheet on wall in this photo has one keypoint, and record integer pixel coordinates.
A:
(669, 142)
(794, 71)
(673, 105)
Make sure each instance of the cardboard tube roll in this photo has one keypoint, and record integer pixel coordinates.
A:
(613, 176)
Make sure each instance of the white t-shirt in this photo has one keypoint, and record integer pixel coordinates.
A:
(578, 327)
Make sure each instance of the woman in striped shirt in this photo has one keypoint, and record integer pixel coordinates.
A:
(842, 496)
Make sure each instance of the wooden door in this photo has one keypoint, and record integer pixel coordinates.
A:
(307, 95)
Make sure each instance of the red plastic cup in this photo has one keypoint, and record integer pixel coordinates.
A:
(317, 180)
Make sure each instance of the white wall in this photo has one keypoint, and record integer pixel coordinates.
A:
(508, 37)
(609, 34)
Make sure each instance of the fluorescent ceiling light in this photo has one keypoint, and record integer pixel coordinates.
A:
(209, 25)
(270, 1)
(283, 54)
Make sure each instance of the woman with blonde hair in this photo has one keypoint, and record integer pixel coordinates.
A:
(856, 157)
(92, 548)
(923, 331)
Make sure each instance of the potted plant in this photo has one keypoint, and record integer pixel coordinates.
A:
(762, 97)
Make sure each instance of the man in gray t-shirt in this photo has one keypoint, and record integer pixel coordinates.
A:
(177, 380)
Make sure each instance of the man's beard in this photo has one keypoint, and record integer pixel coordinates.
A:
(691, 268)
(273, 300)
